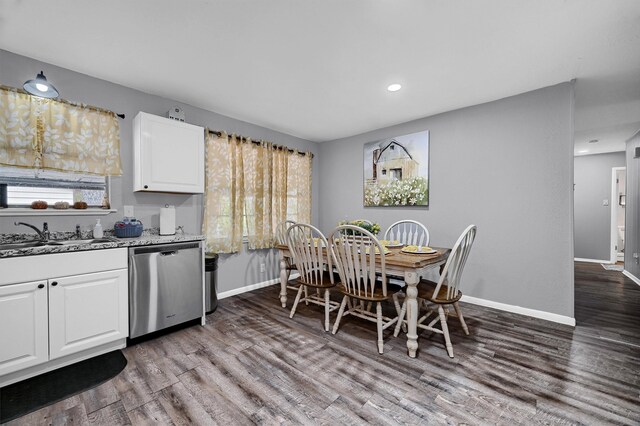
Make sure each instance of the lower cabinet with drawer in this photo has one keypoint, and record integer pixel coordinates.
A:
(60, 319)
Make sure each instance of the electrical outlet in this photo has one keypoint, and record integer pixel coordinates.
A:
(263, 268)
(128, 211)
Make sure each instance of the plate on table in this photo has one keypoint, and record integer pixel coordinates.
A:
(386, 251)
(418, 250)
(391, 243)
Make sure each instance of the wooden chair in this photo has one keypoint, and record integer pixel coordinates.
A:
(408, 232)
(355, 255)
(313, 259)
(445, 293)
(281, 238)
(281, 231)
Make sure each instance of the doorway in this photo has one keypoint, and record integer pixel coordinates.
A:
(618, 203)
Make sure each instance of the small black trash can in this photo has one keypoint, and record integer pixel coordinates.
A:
(210, 279)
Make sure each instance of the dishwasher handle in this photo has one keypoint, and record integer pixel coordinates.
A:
(168, 253)
(164, 248)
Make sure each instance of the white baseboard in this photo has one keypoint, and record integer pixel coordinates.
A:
(631, 277)
(561, 319)
(579, 259)
(252, 287)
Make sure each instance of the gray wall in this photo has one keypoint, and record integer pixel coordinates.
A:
(632, 225)
(234, 270)
(506, 166)
(592, 220)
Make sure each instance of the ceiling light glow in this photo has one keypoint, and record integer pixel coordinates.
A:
(583, 151)
(394, 87)
(39, 86)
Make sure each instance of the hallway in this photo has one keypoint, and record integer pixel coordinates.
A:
(607, 305)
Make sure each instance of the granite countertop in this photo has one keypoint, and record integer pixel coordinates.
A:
(149, 237)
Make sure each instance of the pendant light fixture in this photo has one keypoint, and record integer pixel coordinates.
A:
(41, 87)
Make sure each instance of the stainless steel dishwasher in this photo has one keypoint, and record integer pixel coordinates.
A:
(165, 286)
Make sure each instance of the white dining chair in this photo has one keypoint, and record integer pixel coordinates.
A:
(281, 239)
(314, 261)
(445, 293)
(408, 232)
(360, 261)
(281, 231)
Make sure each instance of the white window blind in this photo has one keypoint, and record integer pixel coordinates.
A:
(26, 185)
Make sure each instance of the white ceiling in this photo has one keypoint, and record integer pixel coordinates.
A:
(319, 69)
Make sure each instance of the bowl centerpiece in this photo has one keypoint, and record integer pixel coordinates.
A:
(374, 228)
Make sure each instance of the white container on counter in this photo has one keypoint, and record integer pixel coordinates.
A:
(168, 220)
(97, 230)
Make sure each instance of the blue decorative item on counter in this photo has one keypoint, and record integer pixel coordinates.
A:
(128, 227)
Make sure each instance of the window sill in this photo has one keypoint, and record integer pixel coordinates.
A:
(25, 211)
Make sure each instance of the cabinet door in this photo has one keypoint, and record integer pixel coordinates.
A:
(170, 155)
(23, 326)
(87, 311)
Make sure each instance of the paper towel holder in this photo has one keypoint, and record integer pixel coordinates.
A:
(167, 220)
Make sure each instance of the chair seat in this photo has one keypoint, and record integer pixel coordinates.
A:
(377, 295)
(326, 281)
(426, 289)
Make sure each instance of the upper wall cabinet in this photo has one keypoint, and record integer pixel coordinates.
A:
(168, 155)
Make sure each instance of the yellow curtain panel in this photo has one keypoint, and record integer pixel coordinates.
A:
(57, 135)
(224, 194)
(250, 188)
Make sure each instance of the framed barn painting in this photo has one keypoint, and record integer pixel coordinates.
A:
(396, 171)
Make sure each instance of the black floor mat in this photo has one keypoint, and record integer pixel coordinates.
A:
(29, 395)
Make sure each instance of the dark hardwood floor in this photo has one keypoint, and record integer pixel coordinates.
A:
(252, 364)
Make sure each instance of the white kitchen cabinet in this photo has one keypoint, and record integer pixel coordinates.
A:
(168, 155)
(86, 311)
(23, 326)
(58, 309)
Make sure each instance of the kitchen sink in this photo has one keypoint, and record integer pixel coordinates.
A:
(78, 242)
(38, 243)
(21, 245)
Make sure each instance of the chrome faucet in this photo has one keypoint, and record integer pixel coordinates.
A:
(44, 234)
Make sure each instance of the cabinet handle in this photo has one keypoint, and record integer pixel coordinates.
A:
(40, 285)
(146, 186)
(55, 283)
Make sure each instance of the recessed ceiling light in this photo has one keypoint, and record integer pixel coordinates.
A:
(394, 87)
(593, 141)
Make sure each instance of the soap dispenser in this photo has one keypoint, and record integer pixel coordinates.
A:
(97, 230)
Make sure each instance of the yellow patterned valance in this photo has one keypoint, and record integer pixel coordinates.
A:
(57, 135)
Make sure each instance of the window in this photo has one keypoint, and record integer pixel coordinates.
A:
(396, 174)
(251, 188)
(23, 186)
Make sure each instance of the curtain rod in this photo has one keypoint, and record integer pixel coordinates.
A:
(259, 142)
(64, 101)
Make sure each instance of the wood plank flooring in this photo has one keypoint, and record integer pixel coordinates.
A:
(252, 364)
